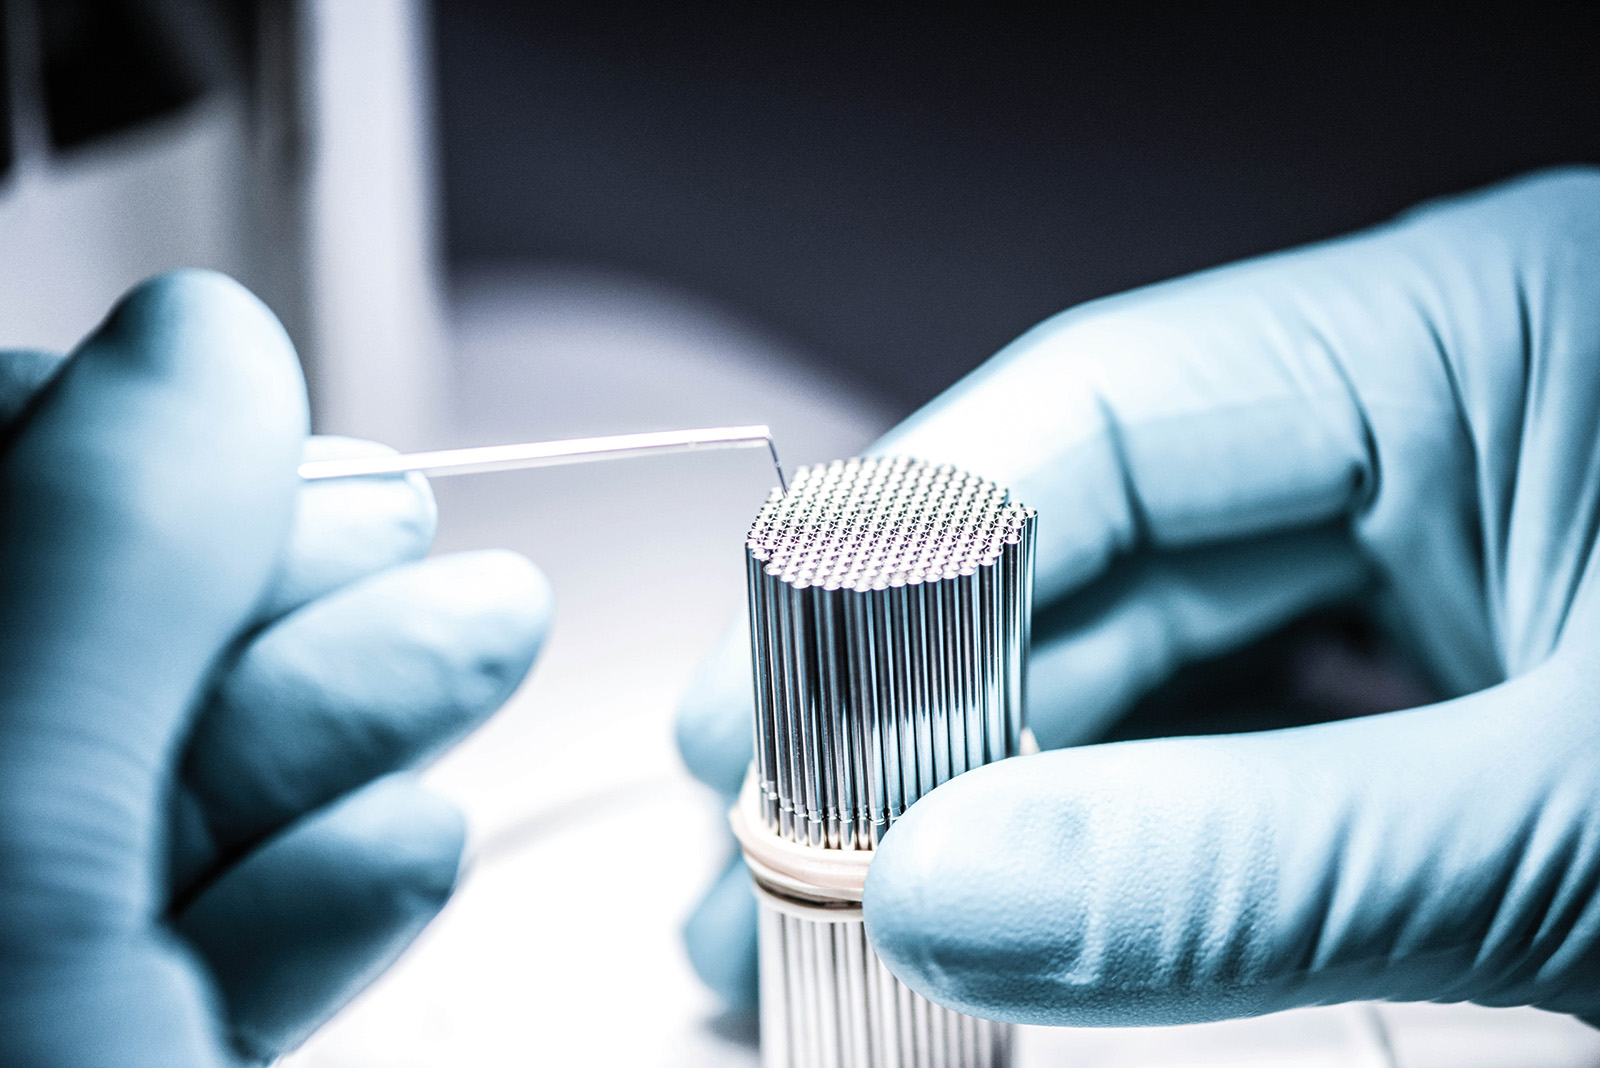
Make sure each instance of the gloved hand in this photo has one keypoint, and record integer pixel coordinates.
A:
(1410, 415)
(209, 677)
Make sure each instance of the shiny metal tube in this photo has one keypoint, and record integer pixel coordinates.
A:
(889, 618)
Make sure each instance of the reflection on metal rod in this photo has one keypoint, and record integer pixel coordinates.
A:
(889, 611)
(549, 453)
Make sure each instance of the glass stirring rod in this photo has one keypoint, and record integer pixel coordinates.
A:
(550, 453)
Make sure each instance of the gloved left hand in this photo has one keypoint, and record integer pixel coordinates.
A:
(209, 677)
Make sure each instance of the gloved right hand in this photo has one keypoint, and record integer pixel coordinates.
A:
(1410, 416)
(209, 678)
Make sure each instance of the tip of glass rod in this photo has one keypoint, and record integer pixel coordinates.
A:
(777, 465)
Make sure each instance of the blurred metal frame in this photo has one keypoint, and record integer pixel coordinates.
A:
(308, 175)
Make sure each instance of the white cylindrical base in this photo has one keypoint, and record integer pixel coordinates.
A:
(828, 1002)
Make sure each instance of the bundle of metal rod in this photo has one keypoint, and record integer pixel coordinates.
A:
(889, 618)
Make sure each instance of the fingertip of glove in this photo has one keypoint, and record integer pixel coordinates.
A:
(706, 749)
(404, 504)
(715, 722)
(190, 291)
(221, 380)
(415, 838)
(346, 529)
(523, 582)
(509, 592)
(202, 306)
(720, 938)
(933, 894)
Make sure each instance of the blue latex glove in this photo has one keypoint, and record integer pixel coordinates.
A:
(1410, 415)
(209, 677)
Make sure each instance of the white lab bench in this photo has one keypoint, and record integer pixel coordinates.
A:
(592, 842)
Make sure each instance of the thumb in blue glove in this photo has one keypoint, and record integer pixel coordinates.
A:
(208, 678)
(1410, 417)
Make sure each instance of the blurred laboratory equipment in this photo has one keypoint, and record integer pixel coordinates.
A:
(284, 142)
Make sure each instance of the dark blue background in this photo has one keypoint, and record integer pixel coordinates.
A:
(904, 191)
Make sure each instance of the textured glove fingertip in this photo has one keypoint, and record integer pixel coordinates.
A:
(720, 936)
(715, 719)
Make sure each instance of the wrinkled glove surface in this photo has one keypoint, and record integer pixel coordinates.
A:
(211, 680)
(1409, 416)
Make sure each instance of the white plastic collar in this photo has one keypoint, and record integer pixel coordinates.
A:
(796, 875)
